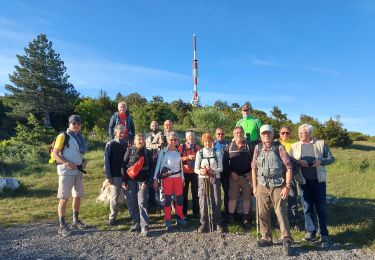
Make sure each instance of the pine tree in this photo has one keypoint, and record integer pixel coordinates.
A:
(40, 83)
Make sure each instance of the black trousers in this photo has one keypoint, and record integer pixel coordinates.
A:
(224, 179)
(191, 178)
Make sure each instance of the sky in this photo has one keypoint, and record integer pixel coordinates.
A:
(307, 57)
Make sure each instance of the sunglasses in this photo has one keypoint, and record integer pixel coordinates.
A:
(173, 140)
(245, 110)
(285, 133)
(76, 123)
(220, 133)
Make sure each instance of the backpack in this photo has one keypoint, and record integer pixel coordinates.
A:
(66, 143)
(214, 152)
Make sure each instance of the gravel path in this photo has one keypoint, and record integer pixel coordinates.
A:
(40, 241)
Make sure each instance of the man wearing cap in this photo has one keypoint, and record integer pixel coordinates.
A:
(271, 177)
(70, 168)
(122, 117)
(250, 125)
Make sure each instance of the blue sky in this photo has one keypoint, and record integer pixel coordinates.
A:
(315, 58)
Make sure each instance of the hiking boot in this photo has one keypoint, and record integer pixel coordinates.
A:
(181, 222)
(64, 231)
(264, 243)
(324, 241)
(310, 237)
(203, 228)
(168, 225)
(246, 222)
(111, 222)
(78, 224)
(135, 228)
(219, 229)
(287, 251)
(144, 231)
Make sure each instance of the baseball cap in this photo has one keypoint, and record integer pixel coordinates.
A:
(266, 128)
(245, 107)
(74, 119)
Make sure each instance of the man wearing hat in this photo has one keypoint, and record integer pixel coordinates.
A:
(68, 152)
(272, 179)
(250, 125)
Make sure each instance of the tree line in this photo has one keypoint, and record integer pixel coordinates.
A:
(40, 96)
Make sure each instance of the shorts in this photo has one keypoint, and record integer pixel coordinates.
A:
(235, 187)
(70, 186)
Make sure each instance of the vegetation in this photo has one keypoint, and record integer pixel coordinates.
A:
(40, 83)
(350, 183)
(41, 93)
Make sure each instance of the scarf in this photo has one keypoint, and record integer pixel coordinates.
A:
(80, 140)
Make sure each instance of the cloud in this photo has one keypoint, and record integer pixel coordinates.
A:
(324, 70)
(266, 63)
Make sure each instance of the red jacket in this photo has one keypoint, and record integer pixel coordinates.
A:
(185, 150)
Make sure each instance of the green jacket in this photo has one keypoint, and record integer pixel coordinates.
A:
(250, 125)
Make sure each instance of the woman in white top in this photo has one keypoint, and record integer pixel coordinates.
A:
(169, 170)
(208, 164)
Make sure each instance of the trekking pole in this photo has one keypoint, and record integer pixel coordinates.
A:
(209, 205)
(257, 216)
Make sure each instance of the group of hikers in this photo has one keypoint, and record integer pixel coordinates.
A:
(159, 168)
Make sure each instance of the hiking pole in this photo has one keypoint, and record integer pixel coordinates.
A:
(209, 205)
(257, 217)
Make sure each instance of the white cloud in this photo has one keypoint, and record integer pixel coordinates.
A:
(261, 62)
(324, 70)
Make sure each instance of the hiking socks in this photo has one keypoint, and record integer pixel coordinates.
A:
(75, 216)
(62, 221)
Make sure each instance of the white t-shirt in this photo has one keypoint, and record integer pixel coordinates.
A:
(173, 161)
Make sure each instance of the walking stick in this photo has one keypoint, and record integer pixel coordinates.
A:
(209, 205)
(257, 217)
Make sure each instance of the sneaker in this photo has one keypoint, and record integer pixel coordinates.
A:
(64, 231)
(181, 222)
(168, 225)
(111, 222)
(324, 241)
(144, 231)
(296, 228)
(203, 228)
(287, 251)
(219, 229)
(310, 237)
(78, 224)
(264, 243)
(136, 227)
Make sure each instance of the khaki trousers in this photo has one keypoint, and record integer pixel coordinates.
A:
(265, 198)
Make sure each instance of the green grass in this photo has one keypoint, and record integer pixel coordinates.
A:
(350, 179)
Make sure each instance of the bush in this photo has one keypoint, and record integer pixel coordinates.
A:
(208, 119)
(13, 151)
(334, 134)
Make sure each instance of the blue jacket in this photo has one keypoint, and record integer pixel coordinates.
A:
(115, 120)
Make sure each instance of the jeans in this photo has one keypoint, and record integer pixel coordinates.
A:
(136, 200)
(313, 194)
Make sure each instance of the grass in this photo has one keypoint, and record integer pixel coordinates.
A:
(350, 179)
